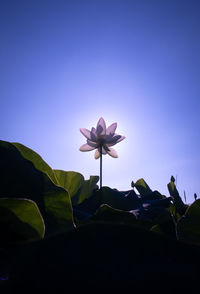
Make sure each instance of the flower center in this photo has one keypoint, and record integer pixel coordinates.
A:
(101, 141)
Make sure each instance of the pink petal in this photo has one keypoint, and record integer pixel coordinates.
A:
(97, 154)
(92, 144)
(112, 152)
(93, 134)
(101, 127)
(103, 151)
(86, 147)
(111, 129)
(114, 140)
(109, 137)
(105, 147)
(120, 139)
(86, 133)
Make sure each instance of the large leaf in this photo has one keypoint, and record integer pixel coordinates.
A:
(20, 219)
(117, 199)
(150, 209)
(142, 187)
(188, 226)
(152, 216)
(20, 178)
(72, 182)
(166, 228)
(87, 208)
(89, 186)
(178, 203)
(37, 160)
(108, 214)
(176, 215)
(112, 197)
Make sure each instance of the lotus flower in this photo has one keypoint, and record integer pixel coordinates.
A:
(101, 139)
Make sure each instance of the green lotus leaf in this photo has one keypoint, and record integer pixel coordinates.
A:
(142, 187)
(37, 160)
(108, 214)
(176, 215)
(19, 178)
(166, 228)
(116, 199)
(72, 182)
(88, 188)
(178, 203)
(20, 219)
(188, 226)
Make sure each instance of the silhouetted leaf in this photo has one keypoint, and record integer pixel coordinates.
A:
(20, 219)
(117, 199)
(166, 228)
(172, 179)
(72, 182)
(142, 187)
(37, 160)
(178, 203)
(176, 215)
(88, 188)
(20, 178)
(108, 214)
(188, 226)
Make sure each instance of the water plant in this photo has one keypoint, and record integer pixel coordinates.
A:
(101, 139)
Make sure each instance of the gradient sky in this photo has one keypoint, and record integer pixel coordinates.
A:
(64, 64)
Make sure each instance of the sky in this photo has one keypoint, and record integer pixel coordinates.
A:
(65, 64)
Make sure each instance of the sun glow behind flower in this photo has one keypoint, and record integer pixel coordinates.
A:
(115, 172)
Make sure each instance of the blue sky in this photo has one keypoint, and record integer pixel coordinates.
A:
(64, 64)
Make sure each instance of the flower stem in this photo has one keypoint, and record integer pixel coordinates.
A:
(100, 166)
